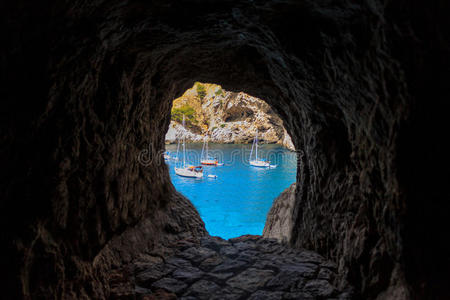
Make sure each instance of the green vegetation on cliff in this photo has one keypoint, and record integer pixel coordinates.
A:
(201, 91)
(187, 111)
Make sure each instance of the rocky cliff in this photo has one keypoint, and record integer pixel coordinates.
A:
(279, 222)
(225, 117)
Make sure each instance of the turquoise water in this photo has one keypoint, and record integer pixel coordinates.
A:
(237, 202)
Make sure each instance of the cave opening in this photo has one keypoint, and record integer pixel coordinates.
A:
(219, 129)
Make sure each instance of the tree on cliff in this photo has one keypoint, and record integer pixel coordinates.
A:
(201, 91)
(187, 111)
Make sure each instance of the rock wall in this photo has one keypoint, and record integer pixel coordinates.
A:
(227, 117)
(361, 88)
(279, 221)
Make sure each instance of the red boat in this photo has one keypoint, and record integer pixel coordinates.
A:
(209, 162)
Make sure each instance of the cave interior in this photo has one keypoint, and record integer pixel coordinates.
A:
(362, 89)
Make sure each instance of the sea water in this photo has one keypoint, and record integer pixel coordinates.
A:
(238, 200)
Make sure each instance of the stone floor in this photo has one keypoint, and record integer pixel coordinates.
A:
(248, 267)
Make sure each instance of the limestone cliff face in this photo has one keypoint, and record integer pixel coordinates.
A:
(228, 117)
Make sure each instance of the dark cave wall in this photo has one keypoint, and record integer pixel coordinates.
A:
(80, 147)
(88, 88)
(422, 161)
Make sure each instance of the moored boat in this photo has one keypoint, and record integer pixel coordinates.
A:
(205, 159)
(191, 171)
(188, 171)
(260, 163)
(257, 162)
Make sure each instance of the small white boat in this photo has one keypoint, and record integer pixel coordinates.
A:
(212, 176)
(257, 162)
(188, 171)
(273, 166)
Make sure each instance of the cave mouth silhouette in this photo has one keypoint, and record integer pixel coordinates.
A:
(89, 85)
(233, 197)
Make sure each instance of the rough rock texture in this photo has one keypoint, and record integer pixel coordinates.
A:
(228, 117)
(279, 221)
(361, 87)
(248, 267)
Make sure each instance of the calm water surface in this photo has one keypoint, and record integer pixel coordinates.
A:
(237, 202)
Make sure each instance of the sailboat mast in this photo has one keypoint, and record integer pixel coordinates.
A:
(184, 146)
(251, 152)
(256, 145)
(203, 149)
(178, 152)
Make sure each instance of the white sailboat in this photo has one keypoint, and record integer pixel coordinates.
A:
(186, 170)
(205, 159)
(175, 158)
(257, 162)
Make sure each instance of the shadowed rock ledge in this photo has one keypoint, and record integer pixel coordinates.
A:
(279, 222)
(247, 267)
